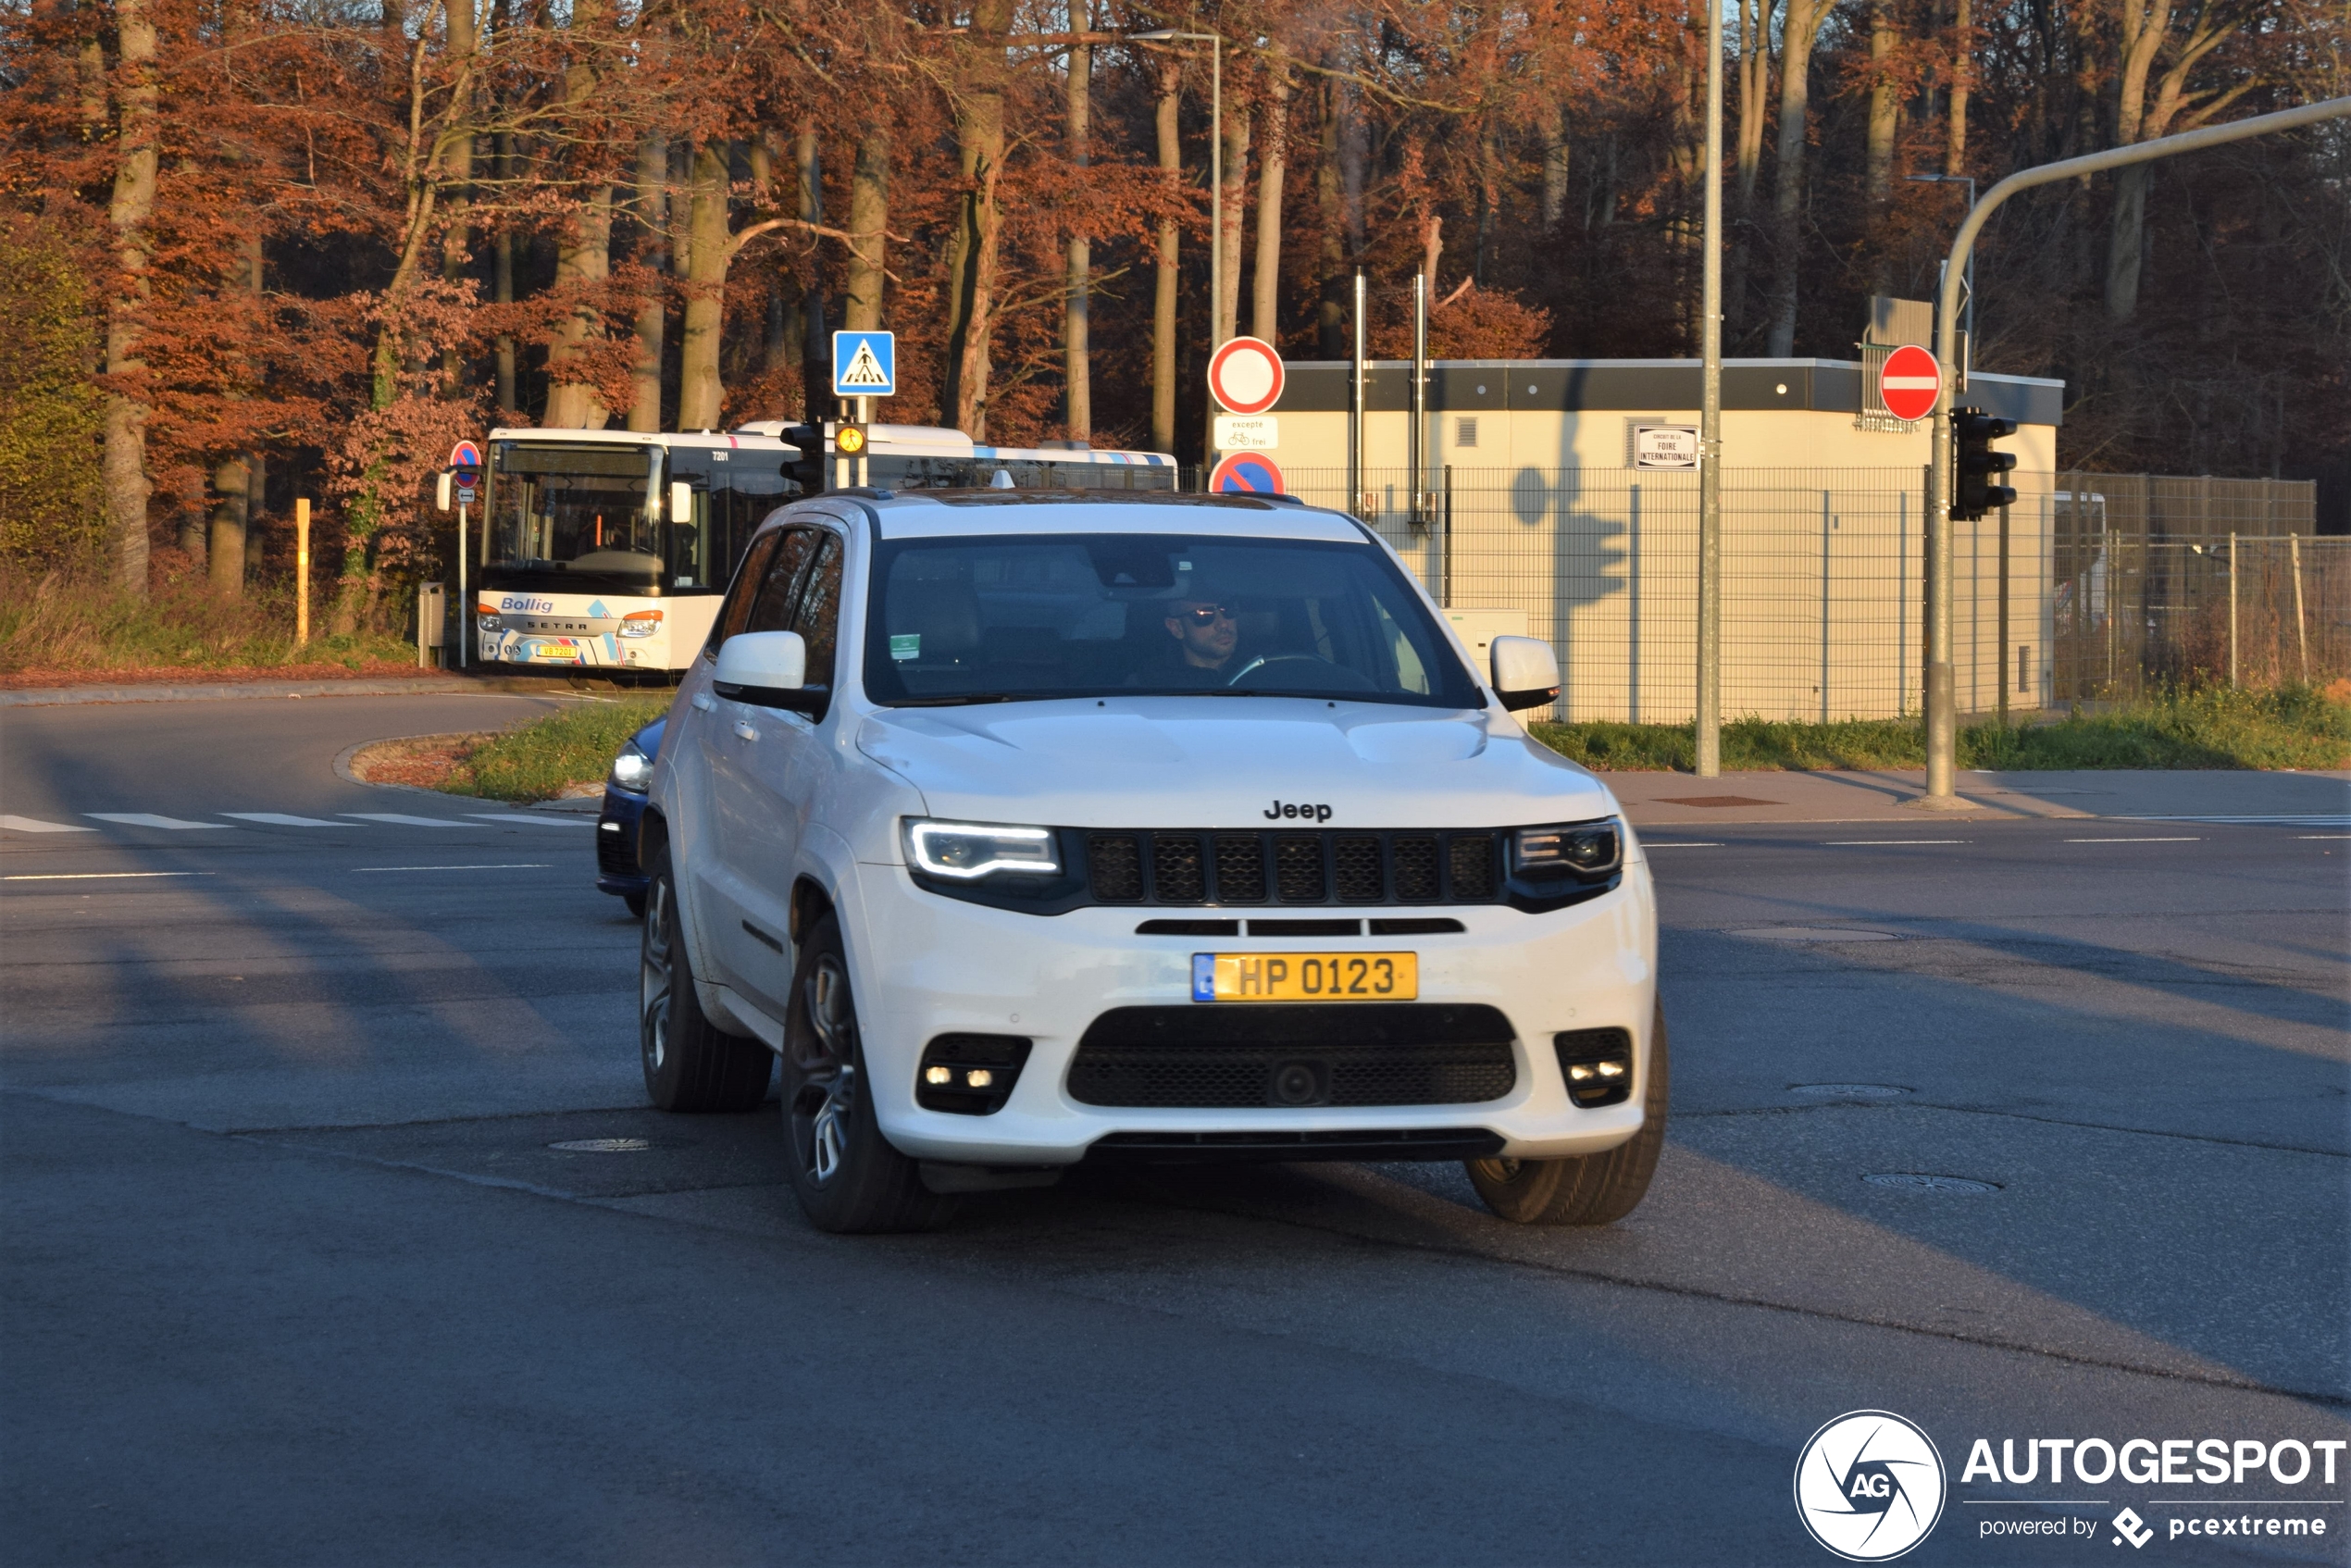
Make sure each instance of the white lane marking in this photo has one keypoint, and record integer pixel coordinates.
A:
(95, 875)
(403, 821)
(2303, 819)
(280, 819)
(34, 825)
(2134, 841)
(525, 816)
(1644, 844)
(525, 865)
(1864, 843)
(149, 819)
(2307, 836)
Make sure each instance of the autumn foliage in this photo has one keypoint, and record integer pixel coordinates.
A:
(280, 246)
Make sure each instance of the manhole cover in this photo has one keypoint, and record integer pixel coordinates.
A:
(1848, 1091)
(1713, 801)
(1922, 1182)
(603, 1145)
(1817, 934)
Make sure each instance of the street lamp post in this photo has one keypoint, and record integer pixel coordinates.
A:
(1707, 729)
(1215, 43)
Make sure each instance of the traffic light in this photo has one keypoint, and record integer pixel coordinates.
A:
(1976, 464)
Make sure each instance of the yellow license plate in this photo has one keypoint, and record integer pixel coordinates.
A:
(1305, 977)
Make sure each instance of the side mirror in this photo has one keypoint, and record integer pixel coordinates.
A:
(681, 501)
(1526, 673)
(768, 669)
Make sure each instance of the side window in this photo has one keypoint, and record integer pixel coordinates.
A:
(748, 579)
(772, 610)
(819, 618)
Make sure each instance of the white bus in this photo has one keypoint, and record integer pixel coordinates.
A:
(610, 550)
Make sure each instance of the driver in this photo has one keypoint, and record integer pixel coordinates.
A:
(1207, 639)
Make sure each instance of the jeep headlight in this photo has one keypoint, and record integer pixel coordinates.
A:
(1587, 848)
(969, 851)
(632, 770)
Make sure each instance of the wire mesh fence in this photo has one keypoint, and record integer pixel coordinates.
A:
(2064, 595)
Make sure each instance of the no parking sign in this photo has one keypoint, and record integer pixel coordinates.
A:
(1246, 473)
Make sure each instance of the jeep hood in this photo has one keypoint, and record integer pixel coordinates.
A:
(1226, 762)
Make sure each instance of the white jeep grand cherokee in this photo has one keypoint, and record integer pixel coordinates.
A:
(1031, 829)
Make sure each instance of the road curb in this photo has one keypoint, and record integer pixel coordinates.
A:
(343, 759)
(457, 686)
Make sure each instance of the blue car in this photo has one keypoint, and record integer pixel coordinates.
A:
(617, 872)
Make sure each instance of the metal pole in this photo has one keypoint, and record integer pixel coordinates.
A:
(2232, 611)
(1941, 720)
(302, 571)
(1709, 724)
(1355, 454)
(1416, 456)
(465, 599)
(2002, 662)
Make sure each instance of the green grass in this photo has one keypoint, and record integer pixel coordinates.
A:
(2291, 727)
(71, 624)
(537, 761)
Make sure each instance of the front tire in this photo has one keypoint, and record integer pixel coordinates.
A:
(848, 1177)
(1595, 1188)
(691, 1063)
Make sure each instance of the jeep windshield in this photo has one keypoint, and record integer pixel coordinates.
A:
(1012, 618)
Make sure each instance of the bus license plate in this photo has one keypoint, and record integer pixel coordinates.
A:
(1305, 977)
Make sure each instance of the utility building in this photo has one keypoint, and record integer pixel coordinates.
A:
(1559, 498)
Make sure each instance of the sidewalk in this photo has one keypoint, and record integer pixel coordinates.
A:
(1678, 799)
(434, 683)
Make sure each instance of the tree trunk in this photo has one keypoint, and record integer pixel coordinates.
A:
(1755, 86)
(1170, 163)
(126, 483)
(1354, 160)
(809, 190)
(1886, 107)
(583, 263)
(1077, 378)
(1273, 160)
(2126, 239)
(1555, 164)
(1489, 196)
(1803, 28)
(1330, 311)
(502, 287)
(972, 248)
(649, 205)
(869, 230)
(1432, 250)
(237, 480)
(701, 393)
(1962, 78)
(1236, 209)
(456, 245)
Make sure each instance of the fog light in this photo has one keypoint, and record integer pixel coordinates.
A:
(1597, 1065)
(969, 1075)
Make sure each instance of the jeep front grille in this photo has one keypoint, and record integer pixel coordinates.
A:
(1328, 867)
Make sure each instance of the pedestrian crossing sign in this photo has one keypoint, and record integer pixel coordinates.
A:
(864, 363)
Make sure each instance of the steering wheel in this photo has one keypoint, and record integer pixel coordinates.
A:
(1263, 659)
(1333, 677)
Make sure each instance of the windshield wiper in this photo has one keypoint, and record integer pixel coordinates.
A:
(959, 699)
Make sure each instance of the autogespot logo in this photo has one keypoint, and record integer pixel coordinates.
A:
(1869, 1486)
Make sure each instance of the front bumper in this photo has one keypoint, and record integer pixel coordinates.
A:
(617, 872)
(925, 966)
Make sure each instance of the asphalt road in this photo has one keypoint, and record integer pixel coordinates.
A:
(294, 1274)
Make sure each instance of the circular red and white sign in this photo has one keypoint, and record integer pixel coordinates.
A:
(1909, 382)
(1246, 473)
(1246, 376)
(464, 454)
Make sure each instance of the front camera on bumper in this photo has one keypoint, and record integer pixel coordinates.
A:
(969, 851)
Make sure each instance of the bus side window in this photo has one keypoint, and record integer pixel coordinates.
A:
(736, 608)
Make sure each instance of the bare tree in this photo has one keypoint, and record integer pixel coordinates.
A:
(972, 248)
(1077, 360)
(1170, 163)
(1801, 32)
(1265, 298)
(128, 214)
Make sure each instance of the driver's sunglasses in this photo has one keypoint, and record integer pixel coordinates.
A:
(1209, 615)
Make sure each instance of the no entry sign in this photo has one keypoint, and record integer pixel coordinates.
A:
(1246, 376)
(1246, 473)
(1908, 382)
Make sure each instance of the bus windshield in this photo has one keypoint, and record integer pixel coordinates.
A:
(572, 508)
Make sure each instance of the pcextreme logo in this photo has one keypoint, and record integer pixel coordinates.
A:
(1869, 1486)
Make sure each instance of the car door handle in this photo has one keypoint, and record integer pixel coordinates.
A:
(745, 730)
(703, 701)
